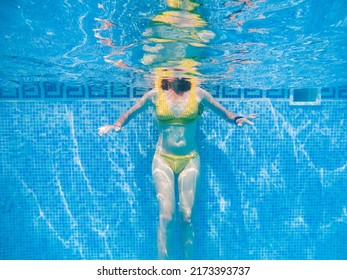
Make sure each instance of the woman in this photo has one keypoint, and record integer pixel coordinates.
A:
(178, 104)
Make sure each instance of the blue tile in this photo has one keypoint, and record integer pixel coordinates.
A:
(275, 93)
(9, 93)
(119, 91)
(53, 90)
(342, 92)
(328, 93)
(231, 92)
(214, 90)
(31, 90)
(98, 91)
(74, 91)
(268, 192)
(252, 93)
(139, 92)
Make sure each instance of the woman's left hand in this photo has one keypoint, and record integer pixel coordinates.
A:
(246, 120)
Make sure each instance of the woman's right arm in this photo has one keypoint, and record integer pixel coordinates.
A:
(140, 106)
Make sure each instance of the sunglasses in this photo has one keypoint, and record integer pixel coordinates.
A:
(182, 84)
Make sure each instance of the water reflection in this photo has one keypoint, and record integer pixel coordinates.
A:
(187, 5)
(177, 38)
(115, 56)
(244, 43)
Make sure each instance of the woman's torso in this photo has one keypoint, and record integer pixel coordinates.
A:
(177, 117)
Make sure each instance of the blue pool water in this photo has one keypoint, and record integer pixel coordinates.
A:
(273, 191)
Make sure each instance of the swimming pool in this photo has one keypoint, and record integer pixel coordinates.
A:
(273, 191)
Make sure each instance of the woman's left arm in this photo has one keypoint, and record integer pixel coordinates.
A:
(208, 100)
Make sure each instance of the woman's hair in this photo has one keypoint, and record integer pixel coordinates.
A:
(182, 84)
(164, 84)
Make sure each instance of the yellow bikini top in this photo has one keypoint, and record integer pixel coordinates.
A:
(166, 117)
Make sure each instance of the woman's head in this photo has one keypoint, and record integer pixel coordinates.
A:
(174, 78)
(177, 84)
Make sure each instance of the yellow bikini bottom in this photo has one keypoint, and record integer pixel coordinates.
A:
(178, 163)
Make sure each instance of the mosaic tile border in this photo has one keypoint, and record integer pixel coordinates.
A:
(67, 91)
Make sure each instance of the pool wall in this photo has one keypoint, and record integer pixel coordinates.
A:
(273, 191)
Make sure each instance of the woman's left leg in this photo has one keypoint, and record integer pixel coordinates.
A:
(164, 182)
(187, 185)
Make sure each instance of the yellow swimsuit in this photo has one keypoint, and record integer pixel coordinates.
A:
(166, 117)
(178, 163)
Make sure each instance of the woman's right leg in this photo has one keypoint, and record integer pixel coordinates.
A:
(164, 181)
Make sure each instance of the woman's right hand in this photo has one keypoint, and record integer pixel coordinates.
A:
(107, 128)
